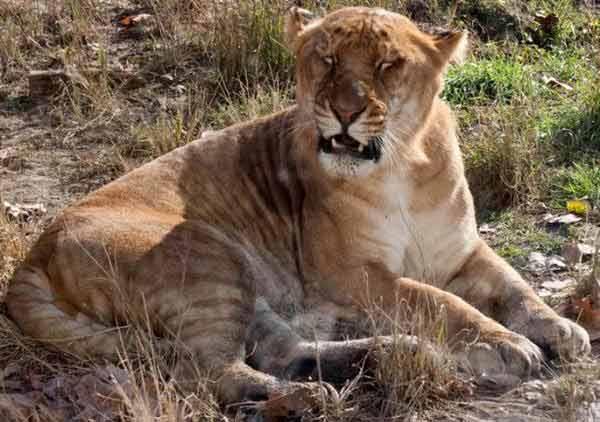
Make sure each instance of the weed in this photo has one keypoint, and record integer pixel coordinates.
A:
(22, 30)
(581, 181)
(576, 129)
(486, 81)
(411, 381)
(14, 244)
(517, 235)
(172, 129)
(502, 154)
(572, 387)
(246, 42)
(90, 101)
(250, 104)
(493, 19)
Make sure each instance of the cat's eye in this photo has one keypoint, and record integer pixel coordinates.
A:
(328, 60)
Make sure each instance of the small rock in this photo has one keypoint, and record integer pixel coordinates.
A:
(587, 250)
(574, 253)
(533, 391)
(180, 89)
(23, 212)
(532, 396)
(588, 412)
(485, 228)
(558, 284)
(497, 381)
(207, 133)
(556, 263)
(537, 262)
(162, 101)
(534, 385)
(561, 219)
(544, 293)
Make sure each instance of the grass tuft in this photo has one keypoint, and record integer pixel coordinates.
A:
(409, 382)
(485, 82)
(581, 181)
(246, 42)
(251, 103)
(14, 244)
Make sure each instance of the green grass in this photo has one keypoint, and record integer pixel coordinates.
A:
(518, 235)
(580, 181)
(174, 126)
(519, 133)
(575, 130)
(487, 81)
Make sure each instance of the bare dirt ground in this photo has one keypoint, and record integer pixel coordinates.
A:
(37, 166)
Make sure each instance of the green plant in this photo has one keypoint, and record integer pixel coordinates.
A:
(486, 81)
(172, 129)
(576, 182)
(503, 156)
(250, 104)
(576, 131)
(517, 235)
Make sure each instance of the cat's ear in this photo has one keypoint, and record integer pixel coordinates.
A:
(295, 21)
(452, 46)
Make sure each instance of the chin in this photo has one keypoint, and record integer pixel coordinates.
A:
(343, 166)
(341, 156)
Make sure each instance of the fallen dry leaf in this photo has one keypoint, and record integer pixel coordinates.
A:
(558, 284)
(99, 393)
(588, 316)
(23, 212)
(555, 83)
(561, 219)
(574, 253)
(128, 21)
(548, 23)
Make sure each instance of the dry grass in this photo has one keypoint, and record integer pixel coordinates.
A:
(14, 244)
(502, 156)
(251, 102)
(246, 42)
(173, 128)
(138, 389)
(413, 382)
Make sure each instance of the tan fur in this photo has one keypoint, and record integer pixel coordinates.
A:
(246, 241)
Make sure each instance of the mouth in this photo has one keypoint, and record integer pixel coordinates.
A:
(344, 144)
